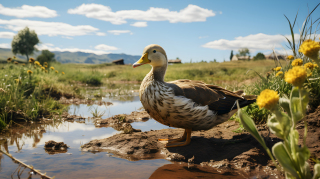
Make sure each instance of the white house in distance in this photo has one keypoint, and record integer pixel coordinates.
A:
(235, 58)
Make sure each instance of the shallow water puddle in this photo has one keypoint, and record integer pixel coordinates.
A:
(27, 145)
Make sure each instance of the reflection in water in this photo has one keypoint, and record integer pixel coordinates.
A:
(26, 143)
(187, 171)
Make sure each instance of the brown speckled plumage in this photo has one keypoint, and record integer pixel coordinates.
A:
(192, 105)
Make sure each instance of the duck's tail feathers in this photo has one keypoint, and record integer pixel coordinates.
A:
(242, 104)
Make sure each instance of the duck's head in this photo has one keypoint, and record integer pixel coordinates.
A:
(154, 55)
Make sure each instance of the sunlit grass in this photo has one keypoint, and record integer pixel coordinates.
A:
(214, 73)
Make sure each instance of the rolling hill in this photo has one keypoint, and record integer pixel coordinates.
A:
(76, 57)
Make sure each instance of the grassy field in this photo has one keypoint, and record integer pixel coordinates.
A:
(215, 73)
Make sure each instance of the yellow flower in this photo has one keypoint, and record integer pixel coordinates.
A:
(56, 71)
(9, 59)
(297, 62)
(63, 73)
(16, 62)
(46, 66)
(309, 65)
(46, 71)
(267, 99)
(290, 57)
(277, 69)
(280, 73)
(17, 80)
(309, 74)
(315, 66)
(52, 68)
(23, 64)
(29, 72)
(14, 57)
(31, 60)
(37, 63)
(310, 48)
(296, 76)
(45, 63)
(43, 68)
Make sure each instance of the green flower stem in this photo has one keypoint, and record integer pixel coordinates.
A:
(301, 106)
(272, 158)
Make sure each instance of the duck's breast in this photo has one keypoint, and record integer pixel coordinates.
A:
(161, 103)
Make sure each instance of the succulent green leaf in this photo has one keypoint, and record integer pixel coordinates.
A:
(316, 173)
(285, 104)
(284, 121)
(275, 126)
(284, 159)
(249, 125)
(298, 103)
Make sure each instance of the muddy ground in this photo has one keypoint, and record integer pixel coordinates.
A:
(219, 147)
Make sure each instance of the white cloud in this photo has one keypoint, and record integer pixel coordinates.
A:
(118, 32)
(101, 34)
(105, 47)
(253, 42)
(49, 28)
(191, 13)
(28, 11)
(4, 45)
(7, 35)
(279, 51)
(139, 24)
(67, 37)
(100, 50)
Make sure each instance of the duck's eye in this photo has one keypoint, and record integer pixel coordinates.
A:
(154, 51)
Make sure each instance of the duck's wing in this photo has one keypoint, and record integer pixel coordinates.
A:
(217, 98)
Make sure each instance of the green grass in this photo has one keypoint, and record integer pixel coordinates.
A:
(26, 96)
(227, 73)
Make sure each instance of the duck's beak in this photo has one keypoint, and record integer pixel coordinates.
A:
(143, 60)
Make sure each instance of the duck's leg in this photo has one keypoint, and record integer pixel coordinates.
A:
(178, 143)
(177, 139)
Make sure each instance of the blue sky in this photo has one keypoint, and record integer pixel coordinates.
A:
(197, 30)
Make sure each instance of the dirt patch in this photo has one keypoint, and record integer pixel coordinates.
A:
(56, 94)
(219, 147)
(51, 147)
(78, 101)
(122, 122)
(313, 135)
(136, 116)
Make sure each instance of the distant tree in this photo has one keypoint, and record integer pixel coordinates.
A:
(231, 55)
(46, 56)
(259, 56)
(244, 52)
(214, 60)
(24, 42)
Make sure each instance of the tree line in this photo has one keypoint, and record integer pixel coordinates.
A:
(246, 52)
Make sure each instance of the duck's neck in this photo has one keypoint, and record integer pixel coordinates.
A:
(157, 73)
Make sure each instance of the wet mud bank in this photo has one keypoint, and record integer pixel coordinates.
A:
(219, 147)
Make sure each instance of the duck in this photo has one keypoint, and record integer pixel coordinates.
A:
(188, 104)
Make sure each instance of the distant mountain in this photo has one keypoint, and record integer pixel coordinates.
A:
(77, 57)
